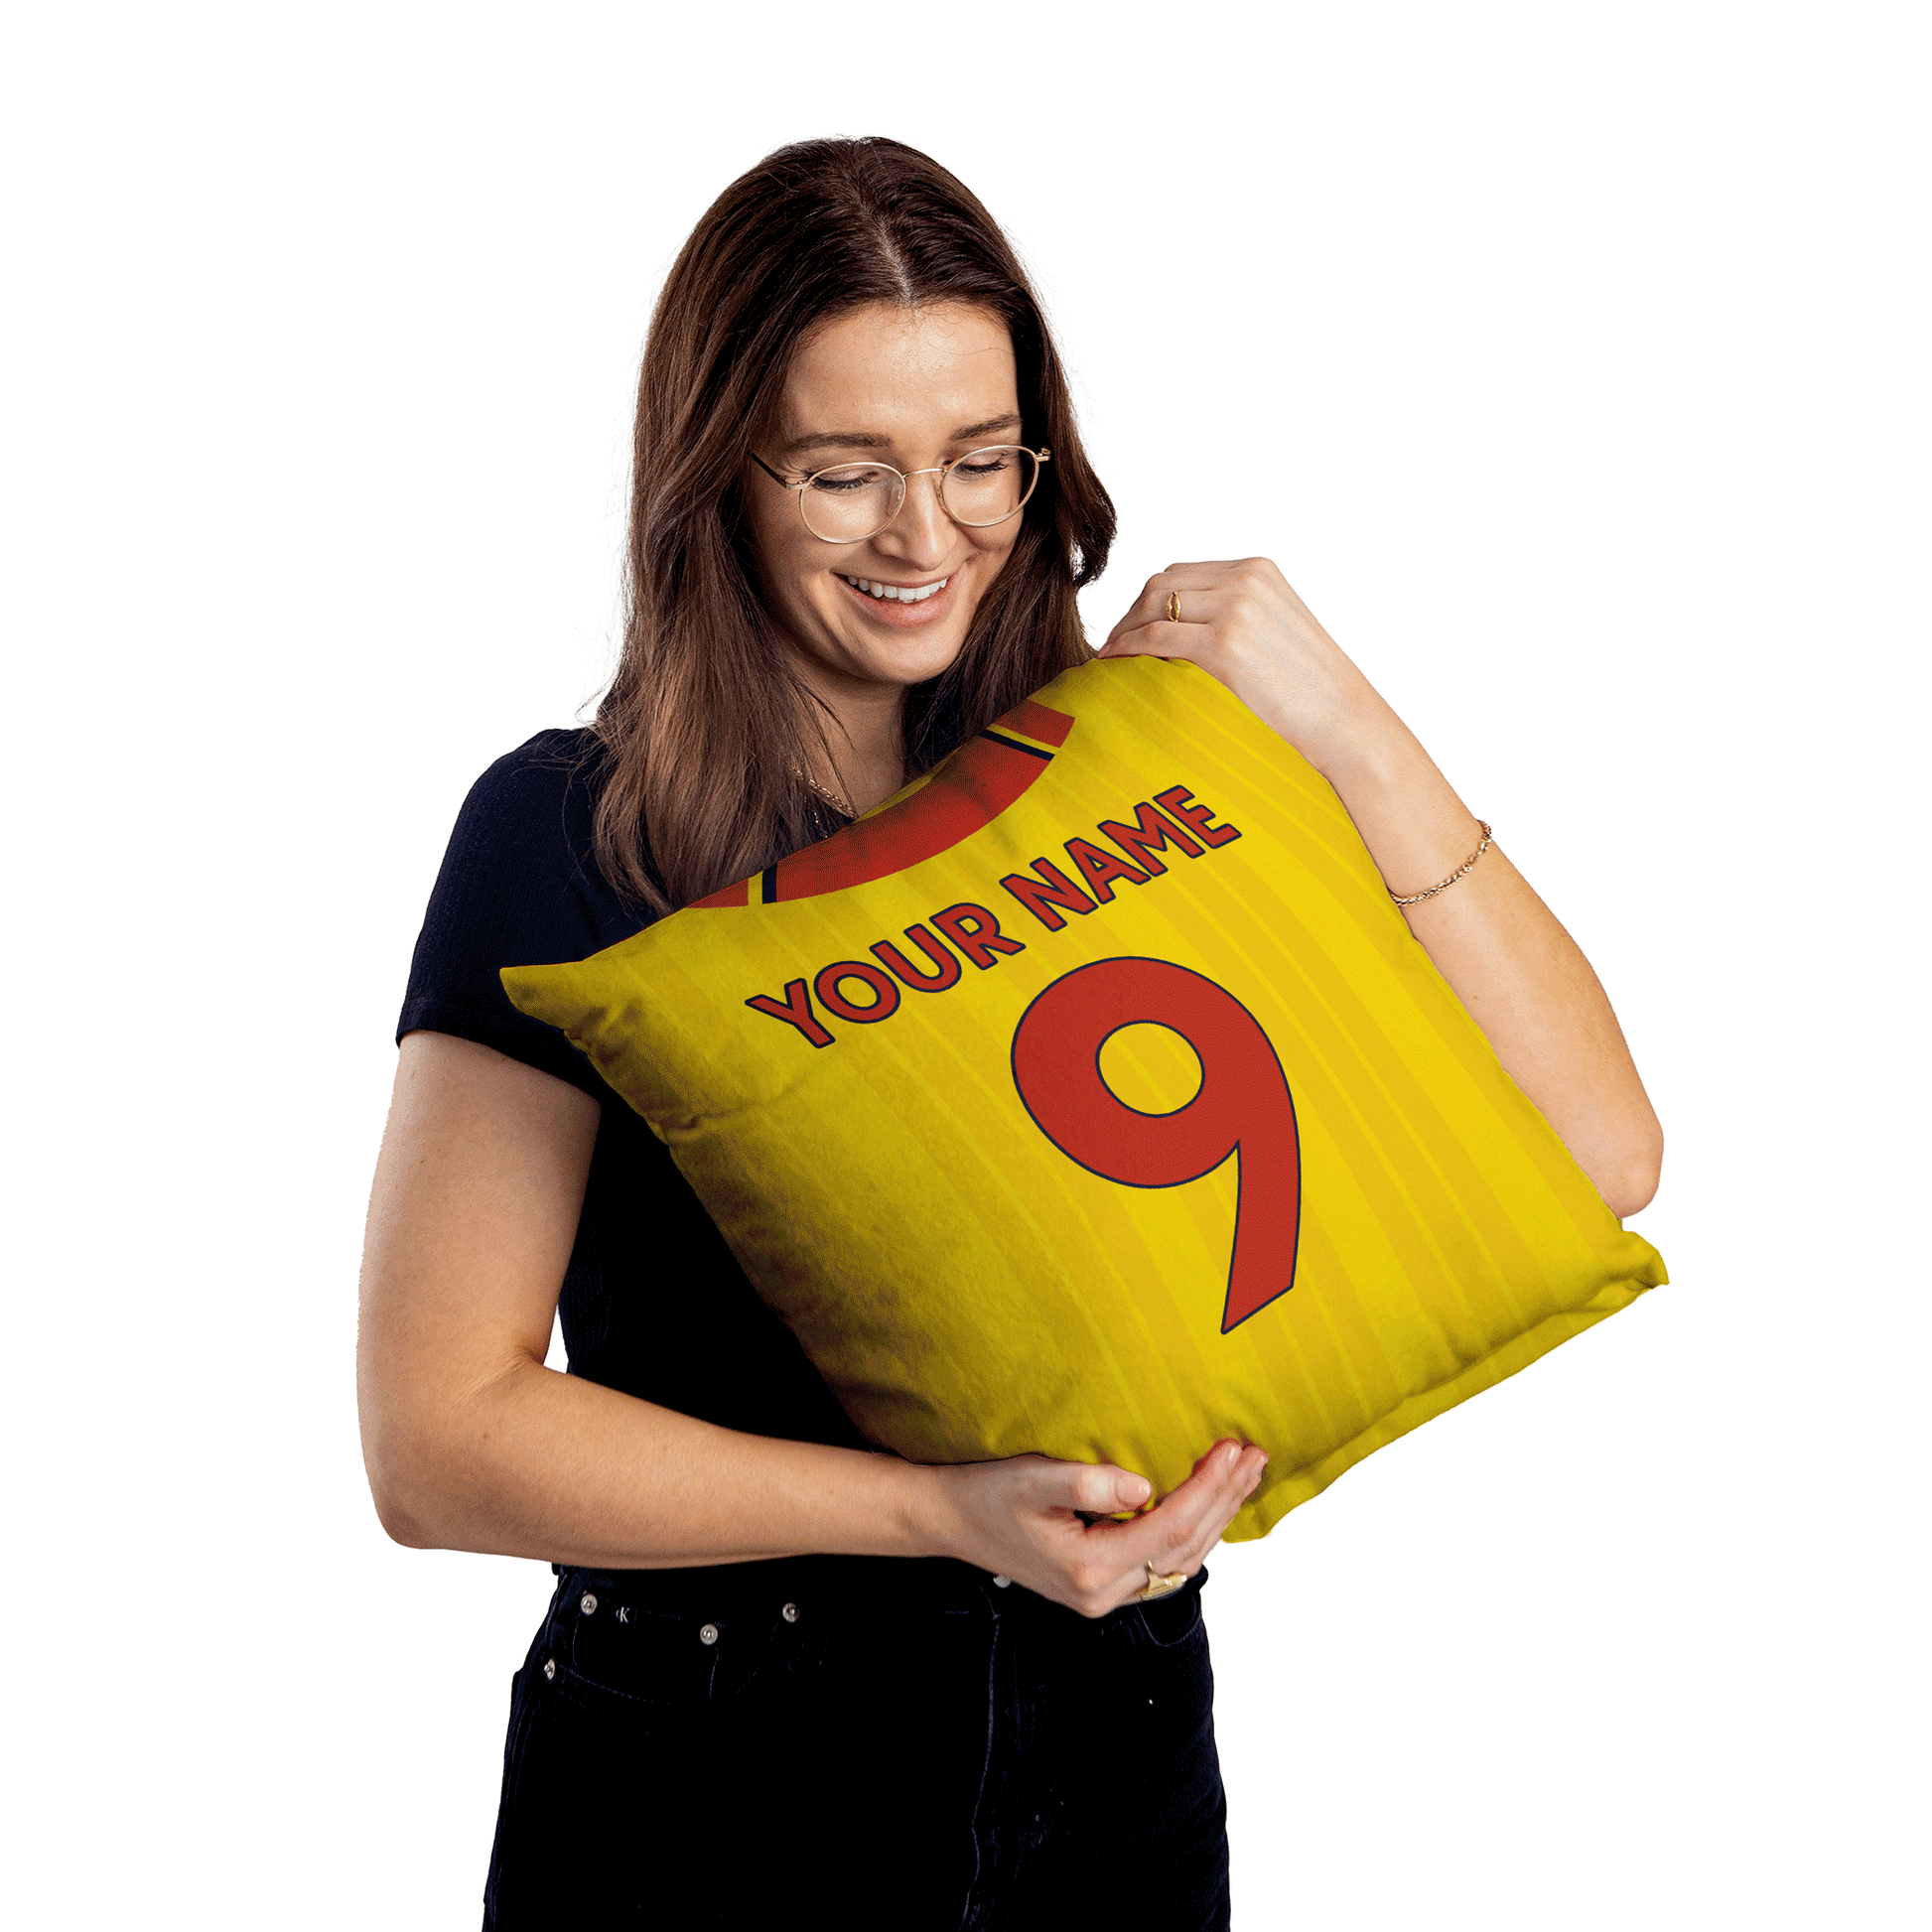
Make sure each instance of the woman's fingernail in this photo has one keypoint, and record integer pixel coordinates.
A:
(1232, 1456)
(1134, 1490)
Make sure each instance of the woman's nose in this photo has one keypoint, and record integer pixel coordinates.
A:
(922, 532)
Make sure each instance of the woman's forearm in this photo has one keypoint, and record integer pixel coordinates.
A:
(537, 1463)
(1523, 979)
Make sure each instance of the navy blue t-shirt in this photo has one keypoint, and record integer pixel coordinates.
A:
(652, 1301)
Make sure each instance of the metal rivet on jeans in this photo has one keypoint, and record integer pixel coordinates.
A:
(1002, 1582)
(549, 1667)
(708, 1633)
(586, 1604)
(790, 1613)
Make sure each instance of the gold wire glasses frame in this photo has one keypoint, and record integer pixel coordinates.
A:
(852, 501)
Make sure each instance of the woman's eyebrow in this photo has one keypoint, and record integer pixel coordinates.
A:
(1009, 421)
(857, 439)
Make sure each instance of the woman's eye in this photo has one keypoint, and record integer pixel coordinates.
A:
(973, 470)
(838, 483)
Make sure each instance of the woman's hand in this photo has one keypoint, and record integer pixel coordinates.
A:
(1024, 1519)
(1243, 624)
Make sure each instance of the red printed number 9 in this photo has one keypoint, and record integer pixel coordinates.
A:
(1243, 1106)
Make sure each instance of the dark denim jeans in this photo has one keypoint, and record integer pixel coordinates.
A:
(900, 1745)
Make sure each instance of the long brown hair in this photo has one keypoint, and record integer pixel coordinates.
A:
(706, 728)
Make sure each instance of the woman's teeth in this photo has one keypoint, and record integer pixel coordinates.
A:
(893, 593)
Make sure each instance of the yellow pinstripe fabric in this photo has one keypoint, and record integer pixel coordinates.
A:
(967, 1289)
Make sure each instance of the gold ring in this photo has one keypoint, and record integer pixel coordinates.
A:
(1160, 1586)
(1173, 607)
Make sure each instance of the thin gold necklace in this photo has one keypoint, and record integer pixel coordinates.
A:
(825, 791)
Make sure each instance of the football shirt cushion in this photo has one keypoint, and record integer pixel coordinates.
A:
(1091, 1097)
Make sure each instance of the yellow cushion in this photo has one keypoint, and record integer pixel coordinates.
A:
(1091, 1097)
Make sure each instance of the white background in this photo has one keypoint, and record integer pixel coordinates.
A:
(1569, 361)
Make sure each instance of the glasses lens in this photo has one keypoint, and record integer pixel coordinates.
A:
(988, 486)
(850, 503)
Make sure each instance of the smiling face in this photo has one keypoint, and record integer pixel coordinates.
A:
(914, 388)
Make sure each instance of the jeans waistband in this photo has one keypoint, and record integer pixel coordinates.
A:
(936, 1582)
(735, 1588)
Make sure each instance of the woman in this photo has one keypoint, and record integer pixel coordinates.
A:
(780, 1671)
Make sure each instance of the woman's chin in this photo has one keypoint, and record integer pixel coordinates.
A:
(901, 656)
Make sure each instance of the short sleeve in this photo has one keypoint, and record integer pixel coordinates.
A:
(518, 886)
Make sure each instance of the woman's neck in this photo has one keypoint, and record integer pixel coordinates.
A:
(865, 736)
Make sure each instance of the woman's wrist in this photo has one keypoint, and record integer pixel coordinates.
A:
(926, 1513)
(1410, 817)
(836, 1501)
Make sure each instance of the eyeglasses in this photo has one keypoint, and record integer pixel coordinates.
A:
(856, 500)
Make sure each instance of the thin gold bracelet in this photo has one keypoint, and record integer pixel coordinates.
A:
(1467, 864)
